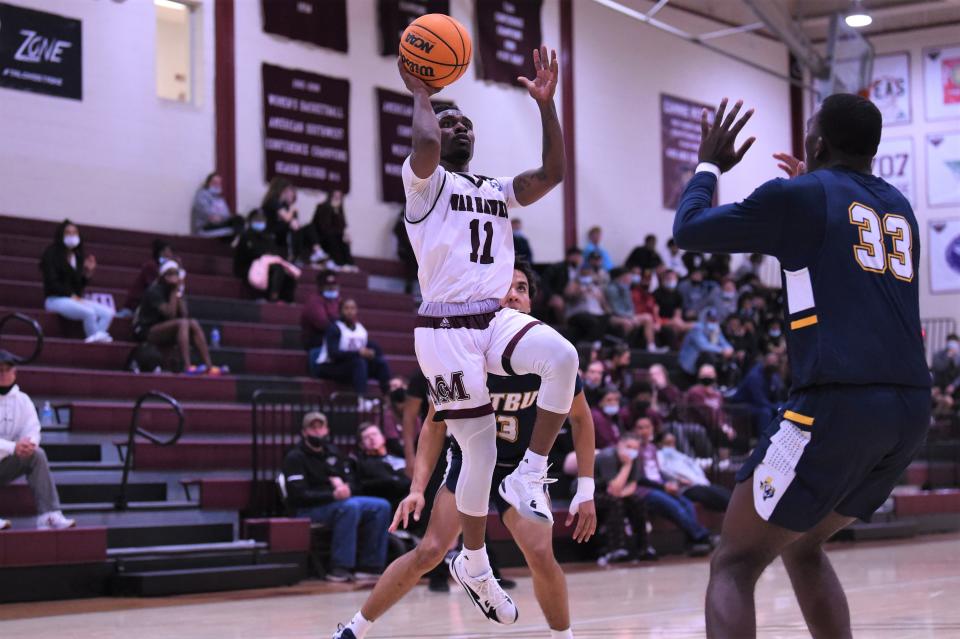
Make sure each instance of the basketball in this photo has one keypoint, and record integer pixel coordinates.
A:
(436, 48)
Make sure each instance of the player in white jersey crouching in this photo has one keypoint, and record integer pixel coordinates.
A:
(460, 232)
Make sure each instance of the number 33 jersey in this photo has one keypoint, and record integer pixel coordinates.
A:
(460, 232)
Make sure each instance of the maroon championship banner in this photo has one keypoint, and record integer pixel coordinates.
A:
(508, 31)
(396, 119)
(680, 142)
(319, 22)
(306, 129)
(396, 15)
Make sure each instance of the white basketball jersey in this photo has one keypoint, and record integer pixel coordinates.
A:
(460, 232)
(351, 340)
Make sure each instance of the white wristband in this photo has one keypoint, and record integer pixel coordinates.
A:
(708, 167)
(586, 487)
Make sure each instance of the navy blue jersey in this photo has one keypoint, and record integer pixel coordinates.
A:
(849, 245)
(514, 400)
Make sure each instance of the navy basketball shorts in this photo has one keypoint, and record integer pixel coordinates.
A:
(500, 471)
(835, 448)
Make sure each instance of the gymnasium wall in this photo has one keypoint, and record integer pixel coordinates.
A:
(121, 156)
(622, 67)
(931, 305)
(507, 122)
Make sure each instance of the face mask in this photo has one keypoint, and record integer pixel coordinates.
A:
(590, 384)
(161, 260)
(398, 395)
(670, 285)
(586, 280)
(314, 441)
(610, 409)
(954, 344)
(331, 295)
(707, 381)
(216, 190)
(6, 389)
(259, 227)
(713, 327)
(729, 295)
(632, 453)
(636, 278)
(71, 241)
(775, 334)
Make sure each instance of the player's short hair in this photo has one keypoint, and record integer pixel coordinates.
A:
(851, 124)
(440, 107)
(524, 267)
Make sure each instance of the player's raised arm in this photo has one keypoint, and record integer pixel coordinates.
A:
(530, 186)
(426, 130)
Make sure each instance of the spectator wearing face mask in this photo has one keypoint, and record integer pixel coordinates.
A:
(673, 260)
(211, 215)
(393, 415)
(322, 486)
(381, 472)
(669, 302)
(645, 257)
(761, 391)
(594, 237)
(328, 233)
(258, 262)
(724, 299)
(320, 310)
(588, 317)
(704, 405)
(149, 270)
(689, 476)
(946, 364)
(746, 348)
(695, 292)
(609, 419)
(646, 309)
(162, 320)
(67, 269)
(521, 245)
(348, 356)
(623, 317)
(773, 340)
(705, 343)
(594, 379)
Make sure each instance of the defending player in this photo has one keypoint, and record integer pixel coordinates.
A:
(460, 232)
(849, 245)
(515, 412)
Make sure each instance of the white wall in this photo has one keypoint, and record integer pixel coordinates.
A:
(931, 305)
(507, 123)
(122, 156)
(622, 67)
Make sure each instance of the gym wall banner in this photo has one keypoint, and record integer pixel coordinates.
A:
(319, 22)
(944, 252)
(40, 52)
(507, 31)
(396, 15)
(680, 144)
(306, 128)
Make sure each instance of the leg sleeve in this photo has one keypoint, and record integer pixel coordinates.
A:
(477, 437)
(542, 351)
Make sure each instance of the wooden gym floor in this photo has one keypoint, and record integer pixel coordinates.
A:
(902, 590)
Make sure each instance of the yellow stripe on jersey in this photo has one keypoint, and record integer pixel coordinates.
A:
(797, 417)
(803, 322)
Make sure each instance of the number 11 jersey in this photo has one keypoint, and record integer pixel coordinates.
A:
(459, 229)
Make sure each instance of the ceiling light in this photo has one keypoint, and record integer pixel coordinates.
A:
(168, 4)
(858, 17)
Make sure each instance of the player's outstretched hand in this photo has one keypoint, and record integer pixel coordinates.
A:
(790, 165)
(717, 142)
(586, 513)
(412, 504)
(543, 86)
(414, 84)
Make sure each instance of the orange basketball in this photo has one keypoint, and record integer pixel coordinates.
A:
(436, 48)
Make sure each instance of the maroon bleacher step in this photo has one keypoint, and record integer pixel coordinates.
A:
(200, 418)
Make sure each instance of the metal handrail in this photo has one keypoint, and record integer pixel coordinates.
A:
(38, 331)
(121, 501)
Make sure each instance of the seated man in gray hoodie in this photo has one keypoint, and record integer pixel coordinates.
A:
(20, 452)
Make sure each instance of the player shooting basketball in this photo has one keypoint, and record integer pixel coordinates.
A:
(459, 229)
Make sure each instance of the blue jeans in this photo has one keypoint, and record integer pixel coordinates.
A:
(679, 510)
(353, 369)
(95, 317)
(363, 519)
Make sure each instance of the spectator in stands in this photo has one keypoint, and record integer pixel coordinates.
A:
(393, 413)
(663, 497)
(623, 317)
(705, 343)
(279, 207)
(761, 390)
(594, 266)
(381, 472)
(328, 233)
(645, 307)
(162, 320)
(348, 356)
(521, 245)
(674, 259)
(588, 316)
(321, 485)
(643, 403)
(693, 260)
(773, 339)
(67, 270)
(149, 270)
(593, 382)
(20, 452)
(320, 310)
(946, 362)
(210, 214)
(717, 267)
(258, 262)
(688, 474)
(559, 279)
(620, 371)
(670, 310)
(695, 292)
(705, 405)
(668, 395)
(617, 473)
(405, 253)
(724, 298)
(594, 237)
(750, 267)
(609, 418)
(645, 257)
(744, 341)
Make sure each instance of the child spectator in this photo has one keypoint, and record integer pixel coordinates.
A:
(66, 272)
